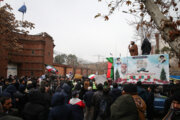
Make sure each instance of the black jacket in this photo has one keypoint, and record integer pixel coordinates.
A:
(88, 98)
(37, 108)
(115, 93)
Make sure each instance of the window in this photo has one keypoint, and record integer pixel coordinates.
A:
(32, 51)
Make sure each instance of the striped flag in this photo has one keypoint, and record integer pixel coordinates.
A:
(51, 68)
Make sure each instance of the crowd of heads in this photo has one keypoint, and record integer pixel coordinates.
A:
(51, 91)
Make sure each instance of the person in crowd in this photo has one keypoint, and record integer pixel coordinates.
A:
(60, 110)
(174, 112)
(94, 85)
(106, 84)
(141, 91)
(146, 47)
(88, 101)
(45, 91)
(6, 111)
(22, 86)
(133, 49)
(36, 108)
(86, 84)
(65, 89)
(11, 90)
(6, 105)
(158, 92)
(104, 106)
(115, 92)
(169, 100)
(77, 106)
(96, 100)
(129, 106)
(150, 103)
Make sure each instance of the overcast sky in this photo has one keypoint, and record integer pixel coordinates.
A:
(72, 25)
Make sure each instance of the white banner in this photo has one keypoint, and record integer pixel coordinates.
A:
(149, 69)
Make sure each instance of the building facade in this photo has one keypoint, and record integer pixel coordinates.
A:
(37, 50)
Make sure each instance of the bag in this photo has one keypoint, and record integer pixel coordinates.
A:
(103, 108)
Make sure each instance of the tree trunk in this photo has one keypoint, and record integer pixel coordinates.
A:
(160, 21)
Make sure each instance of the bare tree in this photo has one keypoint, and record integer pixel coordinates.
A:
(164, 15)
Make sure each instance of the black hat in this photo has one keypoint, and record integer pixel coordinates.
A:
(130, 88)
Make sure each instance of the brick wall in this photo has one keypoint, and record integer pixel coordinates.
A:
(78, 71)
(37, 50)
(81, 71)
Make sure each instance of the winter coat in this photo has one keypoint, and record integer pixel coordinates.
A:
(124, 108)
(115, 93)
(141, 106)
(11, 90)
(88, 98)
(96, 98)
(104, 107)
(133, 50)
(77, 108)
(150, 105)
(142, 93)
(95, 102)
(36, 108)
(146, 47)
(167, 104)
(66, 89)
(60, 110)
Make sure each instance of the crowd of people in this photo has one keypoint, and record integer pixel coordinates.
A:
(60, 98)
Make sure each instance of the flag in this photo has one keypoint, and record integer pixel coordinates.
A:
(111, 71)
(1, 0)
(22, 9)
(92, 76)
(51, 68)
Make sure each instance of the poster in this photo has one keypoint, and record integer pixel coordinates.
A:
(149, 69)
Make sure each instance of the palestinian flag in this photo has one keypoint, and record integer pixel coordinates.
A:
(110, 71)
(51, 68)
(92, 76)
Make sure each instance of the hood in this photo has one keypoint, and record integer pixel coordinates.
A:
(22, 88)
(58, 99)
(146, 41)
(66, 88)
(11, 89)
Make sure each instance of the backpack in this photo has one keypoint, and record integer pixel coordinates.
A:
(103, 108)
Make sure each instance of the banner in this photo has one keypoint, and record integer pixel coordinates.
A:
(149, 69)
